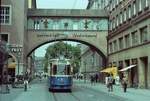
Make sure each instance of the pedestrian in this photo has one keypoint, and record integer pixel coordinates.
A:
(110, 83)
(96, 77)
(106, 82)
(25, 84)
(91, 78)
(124, 83)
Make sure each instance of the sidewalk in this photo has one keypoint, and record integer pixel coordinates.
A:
(132, 94)
(13, 94)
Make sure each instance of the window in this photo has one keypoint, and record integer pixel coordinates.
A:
(134, 38)
(121, 43)
(140, 5)
(134, 8)
(4, 37)
(55, 25)
(127, 41)
(115, 45)
(75, 26)
(120, 66)
(113, 23)
(117, 21)
(114, 3)
(110, 7)
(146, 3)
(120, 0)
(121, 18)
(144, 34)
(129, 12)
(125, 16)
(117, 2)
(36, 24)
(134, 61)
(5, 15)
(110, 48)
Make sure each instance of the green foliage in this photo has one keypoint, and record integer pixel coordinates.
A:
(45, 65)
(67, 50)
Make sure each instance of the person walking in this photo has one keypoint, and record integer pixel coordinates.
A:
(25, 84)
(110, 83)
(106, 82)
(92, 79)
(96, 77)
(124, 83)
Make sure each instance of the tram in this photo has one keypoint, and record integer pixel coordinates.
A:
(60, 77)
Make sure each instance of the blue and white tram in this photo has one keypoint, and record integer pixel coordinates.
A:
(60, 75)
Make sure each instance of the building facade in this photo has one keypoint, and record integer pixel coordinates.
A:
(13, 28)
(129, 39)
(39, 64)
(13, 31)
(91, 61)
(97, 4)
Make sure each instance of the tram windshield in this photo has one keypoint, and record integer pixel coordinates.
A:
(60, 68)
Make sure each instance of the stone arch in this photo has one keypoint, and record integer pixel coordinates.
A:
(99, 51)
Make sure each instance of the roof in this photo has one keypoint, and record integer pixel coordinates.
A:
(67, 13)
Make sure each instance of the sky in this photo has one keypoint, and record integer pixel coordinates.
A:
(62, 4)
(58, 4)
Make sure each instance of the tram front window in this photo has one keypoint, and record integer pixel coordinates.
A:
(61, 69)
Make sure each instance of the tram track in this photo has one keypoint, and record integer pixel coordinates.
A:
(71, 94)
(75, 97)
(54, 96)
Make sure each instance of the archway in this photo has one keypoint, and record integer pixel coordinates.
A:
(74, 40)
(92, 47)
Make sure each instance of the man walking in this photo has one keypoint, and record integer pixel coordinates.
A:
(124, 83)
(110, 83)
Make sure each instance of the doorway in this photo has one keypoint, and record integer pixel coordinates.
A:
(134, 74)
(144, 61)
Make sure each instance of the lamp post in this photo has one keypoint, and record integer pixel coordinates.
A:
(18, 57)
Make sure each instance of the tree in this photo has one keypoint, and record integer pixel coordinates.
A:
(45, 65)
(67, 50)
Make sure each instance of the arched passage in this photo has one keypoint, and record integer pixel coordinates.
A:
(80, 41)
(92, 47)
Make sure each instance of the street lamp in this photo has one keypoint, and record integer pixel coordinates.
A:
(18, 57)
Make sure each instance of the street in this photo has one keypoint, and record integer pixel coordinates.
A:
(39, 92)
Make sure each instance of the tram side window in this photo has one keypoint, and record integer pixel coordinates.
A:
(54, 69)
(51, 72)
(67, 72)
